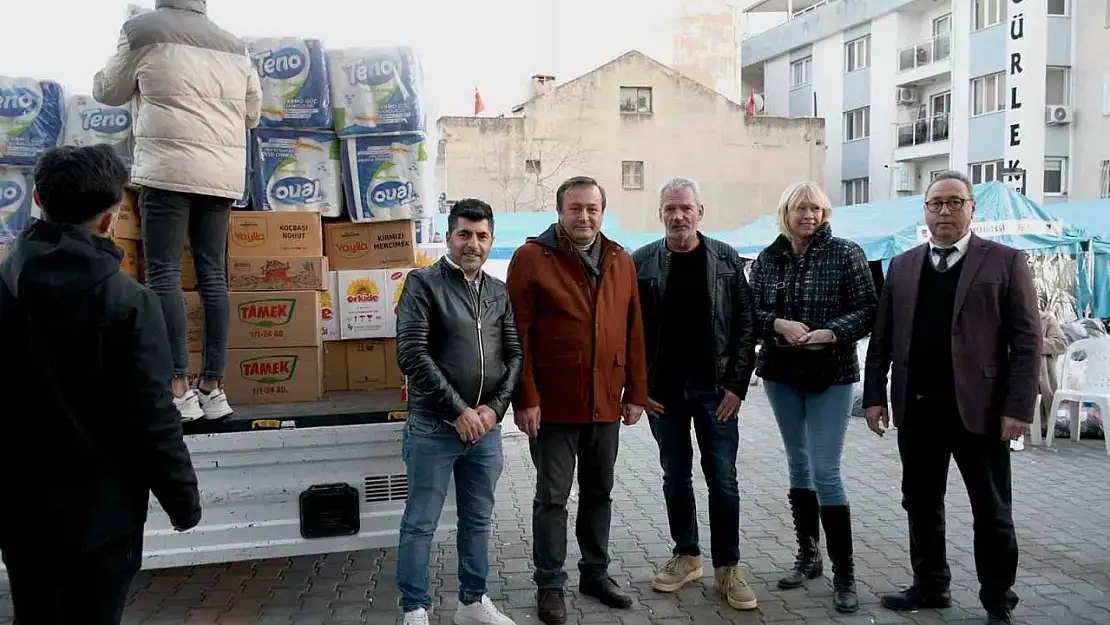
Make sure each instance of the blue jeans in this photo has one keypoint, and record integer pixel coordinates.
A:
(718, 442)
(168, 218)
(813, 426)
(433, 452)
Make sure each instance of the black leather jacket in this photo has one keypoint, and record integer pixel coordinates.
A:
(458, 347)
(730, 301)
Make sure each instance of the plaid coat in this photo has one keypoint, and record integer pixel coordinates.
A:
(829, 286)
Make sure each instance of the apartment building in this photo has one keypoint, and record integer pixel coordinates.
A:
(1010, 90)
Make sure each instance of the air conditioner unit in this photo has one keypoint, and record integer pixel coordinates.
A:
(907, 95)
(905, 177)
(1057, 115)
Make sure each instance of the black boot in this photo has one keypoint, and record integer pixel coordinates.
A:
(838, 538)
(807, 527)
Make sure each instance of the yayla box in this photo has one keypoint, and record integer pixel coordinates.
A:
(194, 320)
(277, 319)
(329, 309)
(269, 376)
(370, 245)
(127, 219)
(364, 308)
(277, 273)
(288, 233)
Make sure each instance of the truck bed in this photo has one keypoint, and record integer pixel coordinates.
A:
(336, 408)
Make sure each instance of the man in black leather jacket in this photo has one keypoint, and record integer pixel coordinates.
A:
(457, 343)
(700, 341)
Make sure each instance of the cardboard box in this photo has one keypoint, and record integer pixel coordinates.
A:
(128, 224)
(132, 264)
(329, 309)
(370, 245)
(196, 366)
(273, 233)
(394, 285)
(277, 273)
(268, 376)
(188, 271)
(366, 365)
(194, 321)
(427, 255)
(335, 367)
(274, 319)
(393, 376)
(364, 308)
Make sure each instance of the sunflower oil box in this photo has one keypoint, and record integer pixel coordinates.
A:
(368, 302)
(329, 310)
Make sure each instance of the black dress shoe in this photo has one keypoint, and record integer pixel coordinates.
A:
(551, 606)
(999, 618)
(606, 591)
(913, 598)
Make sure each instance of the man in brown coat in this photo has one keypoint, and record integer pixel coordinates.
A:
(958, 321)
(577, 307)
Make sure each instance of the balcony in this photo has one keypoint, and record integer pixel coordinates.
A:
(922, 138)
(925, 61)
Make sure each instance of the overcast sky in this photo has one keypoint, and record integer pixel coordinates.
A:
(495, 45)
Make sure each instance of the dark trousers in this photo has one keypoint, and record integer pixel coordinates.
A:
(718, 442)
(554, 452)
(85, 589)
(931, 435)
(169, 220)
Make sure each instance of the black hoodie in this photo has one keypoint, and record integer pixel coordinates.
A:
(89, 427)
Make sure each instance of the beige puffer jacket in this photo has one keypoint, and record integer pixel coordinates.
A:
(194, 93)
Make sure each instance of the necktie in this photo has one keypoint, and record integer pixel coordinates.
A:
(942, 257)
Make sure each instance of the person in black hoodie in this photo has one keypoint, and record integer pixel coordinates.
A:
(86, 347)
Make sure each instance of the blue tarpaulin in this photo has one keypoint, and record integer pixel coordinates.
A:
(1093, 217)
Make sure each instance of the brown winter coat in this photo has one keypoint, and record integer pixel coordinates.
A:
(583, 347)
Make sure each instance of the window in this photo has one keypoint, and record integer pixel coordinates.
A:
(532, 167)
(1058, 7)
(801, 72)
(1057, 86)
(636, 100)
(988, 94)
(990, 171)
(1056, 176)
(942, 25)
(856, 191)
(857, 54)
(1104, 180)
(857, 124)
(632, 175)
(986, 13)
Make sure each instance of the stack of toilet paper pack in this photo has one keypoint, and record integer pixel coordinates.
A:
(294, 151)
(378, 96)
(31, 119)
(15, 202)
(89, 122)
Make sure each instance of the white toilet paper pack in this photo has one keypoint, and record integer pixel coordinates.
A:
(294, 77)
(387, 177)
(15, 202)
(297, 170)
(376, 90)
(31, 119)
(89, 122)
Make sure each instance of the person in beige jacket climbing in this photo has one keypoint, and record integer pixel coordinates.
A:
(194, 95)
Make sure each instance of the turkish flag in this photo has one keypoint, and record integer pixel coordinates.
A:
(751, 104)
(479, 106)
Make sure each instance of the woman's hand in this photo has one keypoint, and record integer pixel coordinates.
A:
(793, 331)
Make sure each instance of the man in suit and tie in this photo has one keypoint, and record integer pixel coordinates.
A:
(958, 321)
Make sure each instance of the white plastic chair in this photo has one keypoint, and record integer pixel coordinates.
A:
(1086, 380)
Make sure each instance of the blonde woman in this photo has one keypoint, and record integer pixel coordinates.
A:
(813, 299)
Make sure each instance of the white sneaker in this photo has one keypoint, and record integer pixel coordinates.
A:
(214, 405)
(189, 406)
(481, 612)
(1017, 444)
(419, 616)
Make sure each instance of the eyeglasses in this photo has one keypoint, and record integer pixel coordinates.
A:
(955, 204)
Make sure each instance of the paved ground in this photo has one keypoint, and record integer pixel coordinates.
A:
(1062, 509)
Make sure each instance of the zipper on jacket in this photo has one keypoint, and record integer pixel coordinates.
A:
(481, 346)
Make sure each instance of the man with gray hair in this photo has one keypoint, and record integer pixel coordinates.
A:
(958, 319)
(700, 341)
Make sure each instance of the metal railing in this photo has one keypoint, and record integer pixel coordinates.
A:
(927, 130)
(813, 7)
(930, 51)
